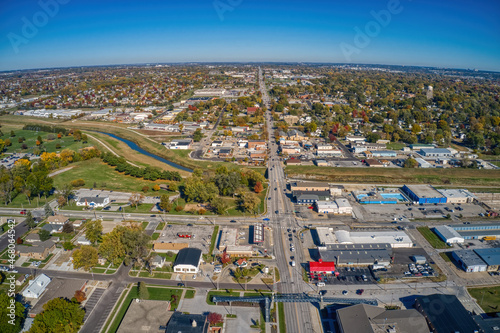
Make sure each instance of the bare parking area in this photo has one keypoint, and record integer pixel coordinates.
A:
(200, 235)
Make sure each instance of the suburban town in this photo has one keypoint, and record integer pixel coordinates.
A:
(235, 166)
(259, 199)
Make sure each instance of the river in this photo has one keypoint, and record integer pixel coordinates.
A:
(135, 147)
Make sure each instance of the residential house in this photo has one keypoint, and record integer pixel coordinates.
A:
(57, 219)
(158, 261)
(52, 228)
(39, 251)
(37, 287)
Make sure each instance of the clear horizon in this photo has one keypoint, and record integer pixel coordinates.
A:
(64, 33)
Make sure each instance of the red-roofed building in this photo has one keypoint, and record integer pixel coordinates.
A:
(251, 111)
(321, 267)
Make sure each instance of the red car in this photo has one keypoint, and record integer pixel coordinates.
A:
(360, 291)
(23, 212)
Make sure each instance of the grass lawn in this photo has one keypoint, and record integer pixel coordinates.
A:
(22, 202)
(488, 298)
(456, 176)
(213, 239)
(169, 256)
(66, 142)
(395, 145)
(190, 293)
(432, 238)
(105, 177)
(281, 314)
(219, 293)
(155, 236)
(446, 256)
(160, 226)
(156, 275)
(98, 270)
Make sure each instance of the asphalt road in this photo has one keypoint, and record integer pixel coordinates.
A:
(20, 229)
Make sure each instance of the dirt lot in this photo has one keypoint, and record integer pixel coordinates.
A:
(201, 240)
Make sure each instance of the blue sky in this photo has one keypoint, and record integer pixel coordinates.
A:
(458, 33)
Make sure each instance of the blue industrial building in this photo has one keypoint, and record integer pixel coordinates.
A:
(477, 231)
(423, 194)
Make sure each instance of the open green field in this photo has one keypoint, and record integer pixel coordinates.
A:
(66, 142)
(395, 145)
(455, 176)
(488, 298)
(106, 178)
(432, 238)
(120, 130)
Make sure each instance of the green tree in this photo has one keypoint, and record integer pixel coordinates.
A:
(165, 203)
(66, 191)
(48, 210)
(44, 235)
(86, 257)
(59, 315)
(411, 163)
(93, 231)
(249, 202)
(10, 323)
(142, 290)
(218, 205)
(30, 221)
(197, 135)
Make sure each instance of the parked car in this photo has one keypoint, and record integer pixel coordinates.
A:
(345, 292)
(360, 291)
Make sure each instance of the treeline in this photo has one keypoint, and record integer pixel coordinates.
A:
(46, 128)
(147, 173)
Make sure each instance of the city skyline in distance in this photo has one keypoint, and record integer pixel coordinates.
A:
(63, 33)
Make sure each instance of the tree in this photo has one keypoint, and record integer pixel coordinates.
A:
(111, 247)
(61, 201)
(145, 188)
(66, 191)
(59, 315)
(411, 163)
(44, 235)
(48, 210)
(156, 188)
(142, 290)
(30, 222)
(249, 202)
(197, 135)
(93, 231)
(86, 257)
(258, 187)
(19, 240)
(173, 187)
(218, 205)
(136, 199)
(214, 318)
(11, 321)
(68, 228)
(165, 203)
(80, 296)
(68, 246)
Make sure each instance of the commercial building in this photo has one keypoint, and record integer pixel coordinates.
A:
(356, 254)
(477, 231)
(364, 318)
(491, 256)
(320, 266)
(228, 237)
(435, 153)
(445, 314)
(93, 201)
(310, 186)
(162, 247)
(310, 197)
(188, 261)
(239, 251)
(36, 287)
(423, 163)
(189, 323)
(455, 196)
(397, 239)
(448, 234)
(181, 144)
(258, 234)
(326, 236)
(423, 194)
(381, 153)
(469, 261)
(338, 206)
(145, 316)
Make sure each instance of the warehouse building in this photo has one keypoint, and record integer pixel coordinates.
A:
(310, 197)
(469, 261)
(435, 153)
(357, 254)
(397, 239)
(423, 194)
(448, 234)
(491, 257)
(477, 231)
(455, 196)
(338, 206)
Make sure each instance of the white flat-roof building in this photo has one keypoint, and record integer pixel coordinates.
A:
(228, 237)
(344, 206)
(397, 239)
(37, 287)
(326, 236)
(469, 261)
(448, 234)
(457, 196)
(327, 207)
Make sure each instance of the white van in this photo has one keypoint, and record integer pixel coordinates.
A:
(320, 284)
(293, 263)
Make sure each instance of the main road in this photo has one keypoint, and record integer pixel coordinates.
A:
(297, 315)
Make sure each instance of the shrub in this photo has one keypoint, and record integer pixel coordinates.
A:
(179, 208)
(77, 182)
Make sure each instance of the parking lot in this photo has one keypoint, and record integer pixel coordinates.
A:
(347, 276)
(114, 197)
(202, 235)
